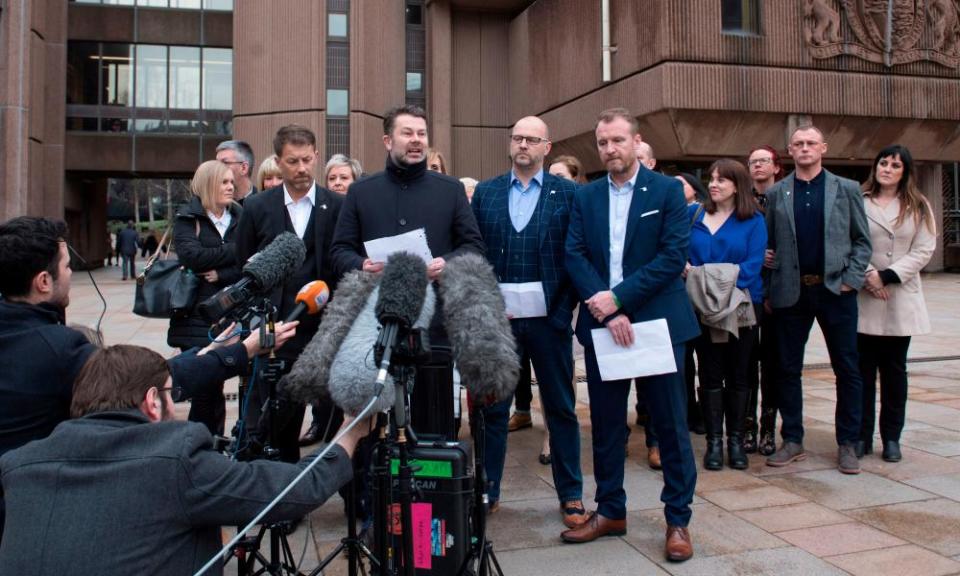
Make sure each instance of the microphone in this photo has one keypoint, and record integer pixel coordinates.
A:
(476, 322)
(311, 298)
(264, 271)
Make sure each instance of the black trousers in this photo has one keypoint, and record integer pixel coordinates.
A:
(763, 368)
(723, 367)
(888, 356)
(524, 393)
(209, 407)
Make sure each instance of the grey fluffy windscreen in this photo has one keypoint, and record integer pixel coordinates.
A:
(277, 261)
(476, 321)
(402, 289)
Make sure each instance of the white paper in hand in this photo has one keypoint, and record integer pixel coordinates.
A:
(414, 242)
(650, 354)
(524, 300)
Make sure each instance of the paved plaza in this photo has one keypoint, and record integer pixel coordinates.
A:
(893, 519)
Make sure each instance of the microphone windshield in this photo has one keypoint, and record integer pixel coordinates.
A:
(314, 295)
(276, 262)
(402, 289)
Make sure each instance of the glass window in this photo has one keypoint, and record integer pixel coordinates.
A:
(184, 77)
(115, 125)
(115, 74)
(148, 125)
(119, 2)
(86, 2)
(151, 70)
(81, 124)
(217, 78)
(338, 102)
(414, 81)
(185, 126)
(740, 16)
(414, 14)
(218, 5)
(153, 3)
(83, 60)
(337, 25)
(186, 4)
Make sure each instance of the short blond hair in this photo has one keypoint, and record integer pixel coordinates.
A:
(268, 168)
(206, 182)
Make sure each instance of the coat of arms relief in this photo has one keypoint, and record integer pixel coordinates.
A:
(889, 32)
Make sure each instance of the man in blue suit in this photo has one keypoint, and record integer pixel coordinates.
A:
(523, 217)
(626, 248)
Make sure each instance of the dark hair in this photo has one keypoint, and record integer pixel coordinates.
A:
(241, 148)
(117, 378)
(29, 245)
(696, 184)
(293, 134)
(912, 201)
(776, 159)
(390, 118)
(573, 166)
(744, 204)
(611, 114)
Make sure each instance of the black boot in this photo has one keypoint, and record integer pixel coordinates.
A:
(736, 406)
(750, 436)
(767, 444)
(712, 402)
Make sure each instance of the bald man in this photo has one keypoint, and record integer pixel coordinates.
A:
(645, 155)
(523, 217)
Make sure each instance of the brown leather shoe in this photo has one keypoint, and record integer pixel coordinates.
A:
(574, 514)
(519, 421)
(594, 527)
(653, 458)
(678, 546)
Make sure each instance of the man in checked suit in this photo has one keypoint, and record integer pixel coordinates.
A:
(523, 217)
(626, 248)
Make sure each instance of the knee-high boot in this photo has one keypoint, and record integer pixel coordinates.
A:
(712, 402)
(736, 406)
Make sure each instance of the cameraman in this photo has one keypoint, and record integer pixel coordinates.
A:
(40, 357)
(150, 492)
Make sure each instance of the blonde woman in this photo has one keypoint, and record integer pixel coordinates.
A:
(268, 176)
(203, 233)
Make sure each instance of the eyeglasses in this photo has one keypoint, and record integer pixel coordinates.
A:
(231, 162)
(176, 392)
(531, 140)
(760, 161)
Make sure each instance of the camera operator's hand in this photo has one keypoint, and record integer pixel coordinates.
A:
(350, 440)
(284, 332)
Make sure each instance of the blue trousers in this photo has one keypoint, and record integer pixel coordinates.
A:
(666, 402)
(837, 316)
(551, 352)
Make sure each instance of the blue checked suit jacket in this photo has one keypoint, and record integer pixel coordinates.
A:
(490, 200)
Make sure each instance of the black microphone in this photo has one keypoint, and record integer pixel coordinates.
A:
(264, 271)
(475, 319)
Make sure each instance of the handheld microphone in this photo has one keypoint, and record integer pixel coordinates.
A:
(264, 271)
(476, 321)
(311, 298)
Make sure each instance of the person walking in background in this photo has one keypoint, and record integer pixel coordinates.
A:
(727, 229)
(112, 247)
(892, 307)
(818, 251)
(203, 233)
(127, 243)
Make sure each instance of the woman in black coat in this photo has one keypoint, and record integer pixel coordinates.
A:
(203, 235)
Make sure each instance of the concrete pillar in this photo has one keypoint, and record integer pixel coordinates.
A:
(930, 181)
(440, 79)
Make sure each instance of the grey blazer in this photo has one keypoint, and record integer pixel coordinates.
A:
(846, 243)
(110, 493)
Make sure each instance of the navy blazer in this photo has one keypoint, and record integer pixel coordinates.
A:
(654, 255)
(556, 200)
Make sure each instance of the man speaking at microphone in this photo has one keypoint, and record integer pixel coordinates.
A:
(301, 206)
(403, 198)
(523, 216)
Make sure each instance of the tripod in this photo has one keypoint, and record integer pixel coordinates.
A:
(481, 554)
(354, 547)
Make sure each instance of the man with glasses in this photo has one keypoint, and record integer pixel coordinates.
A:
(818, 251)
(300, 205)
(238, 155)
(123, 489)
(523, 216)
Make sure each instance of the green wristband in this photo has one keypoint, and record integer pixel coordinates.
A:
(616, 300)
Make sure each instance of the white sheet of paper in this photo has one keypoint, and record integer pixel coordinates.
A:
(524, 300)
(650, 354)
(414, 242)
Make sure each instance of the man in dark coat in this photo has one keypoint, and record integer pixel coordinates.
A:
(127, 243)
(403, 198)
(40, 357)
(303, 207)
(151, 493)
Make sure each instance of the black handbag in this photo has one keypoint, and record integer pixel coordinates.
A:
(165, 289)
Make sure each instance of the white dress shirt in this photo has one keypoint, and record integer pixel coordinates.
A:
(221, 223)
(300, 210)
(620, 198)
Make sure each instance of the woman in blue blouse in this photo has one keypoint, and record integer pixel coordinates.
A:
(728, 229)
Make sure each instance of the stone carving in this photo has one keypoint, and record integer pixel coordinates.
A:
(888, 32)
(821, 23)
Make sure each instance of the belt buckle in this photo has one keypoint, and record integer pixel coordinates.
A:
(811, 280)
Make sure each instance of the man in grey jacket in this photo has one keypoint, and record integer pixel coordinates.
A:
(122, 489)
(818, 250)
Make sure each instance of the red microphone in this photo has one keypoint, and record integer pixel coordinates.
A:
(311, 298)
